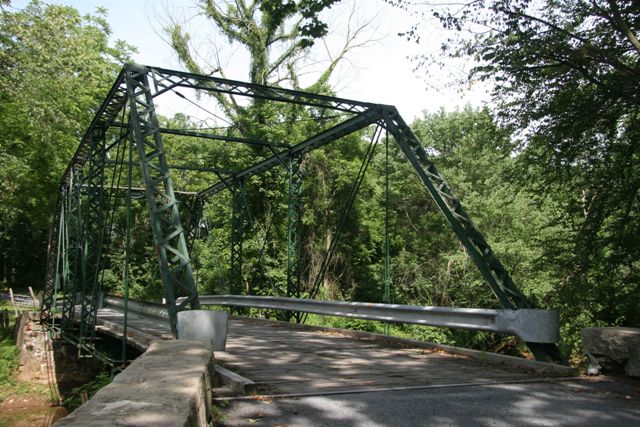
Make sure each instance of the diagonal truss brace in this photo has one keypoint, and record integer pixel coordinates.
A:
(474, 242)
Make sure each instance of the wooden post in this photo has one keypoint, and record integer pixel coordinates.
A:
(13, 302)
(34, 301)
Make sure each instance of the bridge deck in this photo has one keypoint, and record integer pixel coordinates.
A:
(285, 360)
(141, 330)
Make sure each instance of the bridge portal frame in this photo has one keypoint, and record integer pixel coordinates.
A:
(132, 96)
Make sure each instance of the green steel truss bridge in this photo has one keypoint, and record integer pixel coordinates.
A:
(126, 134)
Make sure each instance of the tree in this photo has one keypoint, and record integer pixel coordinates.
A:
(276, 35)
(566, 76)
(55, 67)
(474, 154)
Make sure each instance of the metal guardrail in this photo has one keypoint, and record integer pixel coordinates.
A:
(143, 308)
(530, 325)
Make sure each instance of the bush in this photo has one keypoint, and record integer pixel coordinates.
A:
(75, 398)
(8, 359)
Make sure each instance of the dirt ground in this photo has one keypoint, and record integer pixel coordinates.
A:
(27, 410)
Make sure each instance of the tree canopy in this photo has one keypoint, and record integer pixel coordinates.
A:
(55, 67)
(566, 78)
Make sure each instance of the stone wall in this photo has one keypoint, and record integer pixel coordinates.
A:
(36, 354)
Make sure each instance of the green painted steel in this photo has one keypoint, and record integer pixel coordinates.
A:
(194, 206)
(73, 248)
(167, 80)
(55, 264)
(474, 242)
(294, 230)
(69, 199)
(386, 297)
(237, 235)
(349, 126)
(127, 252)
(294, 225)
(93, 226)
(490, 267)
(169, 237)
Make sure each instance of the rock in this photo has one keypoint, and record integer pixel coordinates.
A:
(622, 345)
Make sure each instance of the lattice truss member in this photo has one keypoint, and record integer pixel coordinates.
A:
(127, 126)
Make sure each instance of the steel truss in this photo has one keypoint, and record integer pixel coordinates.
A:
(93, 227)
(294, 231)
(237, 234)
(78, 231)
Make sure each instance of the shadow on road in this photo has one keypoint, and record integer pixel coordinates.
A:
(559, 403)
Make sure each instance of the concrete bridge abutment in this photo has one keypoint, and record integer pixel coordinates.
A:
(169, 385)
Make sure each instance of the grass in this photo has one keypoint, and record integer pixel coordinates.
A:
(9, 356)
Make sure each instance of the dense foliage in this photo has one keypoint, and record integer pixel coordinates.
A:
(55, 67)
(566, 78)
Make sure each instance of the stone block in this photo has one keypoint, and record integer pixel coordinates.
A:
(621, 345)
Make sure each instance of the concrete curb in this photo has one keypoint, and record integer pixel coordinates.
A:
(540, 368)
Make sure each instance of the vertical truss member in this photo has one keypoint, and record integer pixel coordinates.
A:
(169, 237)
(93, 232)
(72, 248)
(294, 229)
(195, 210)
(237, 231)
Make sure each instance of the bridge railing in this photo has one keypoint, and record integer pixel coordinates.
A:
(530, 325)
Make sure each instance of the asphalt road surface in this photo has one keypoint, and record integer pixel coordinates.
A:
(599, 402)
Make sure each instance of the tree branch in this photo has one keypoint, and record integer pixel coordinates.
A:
(622, 25)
